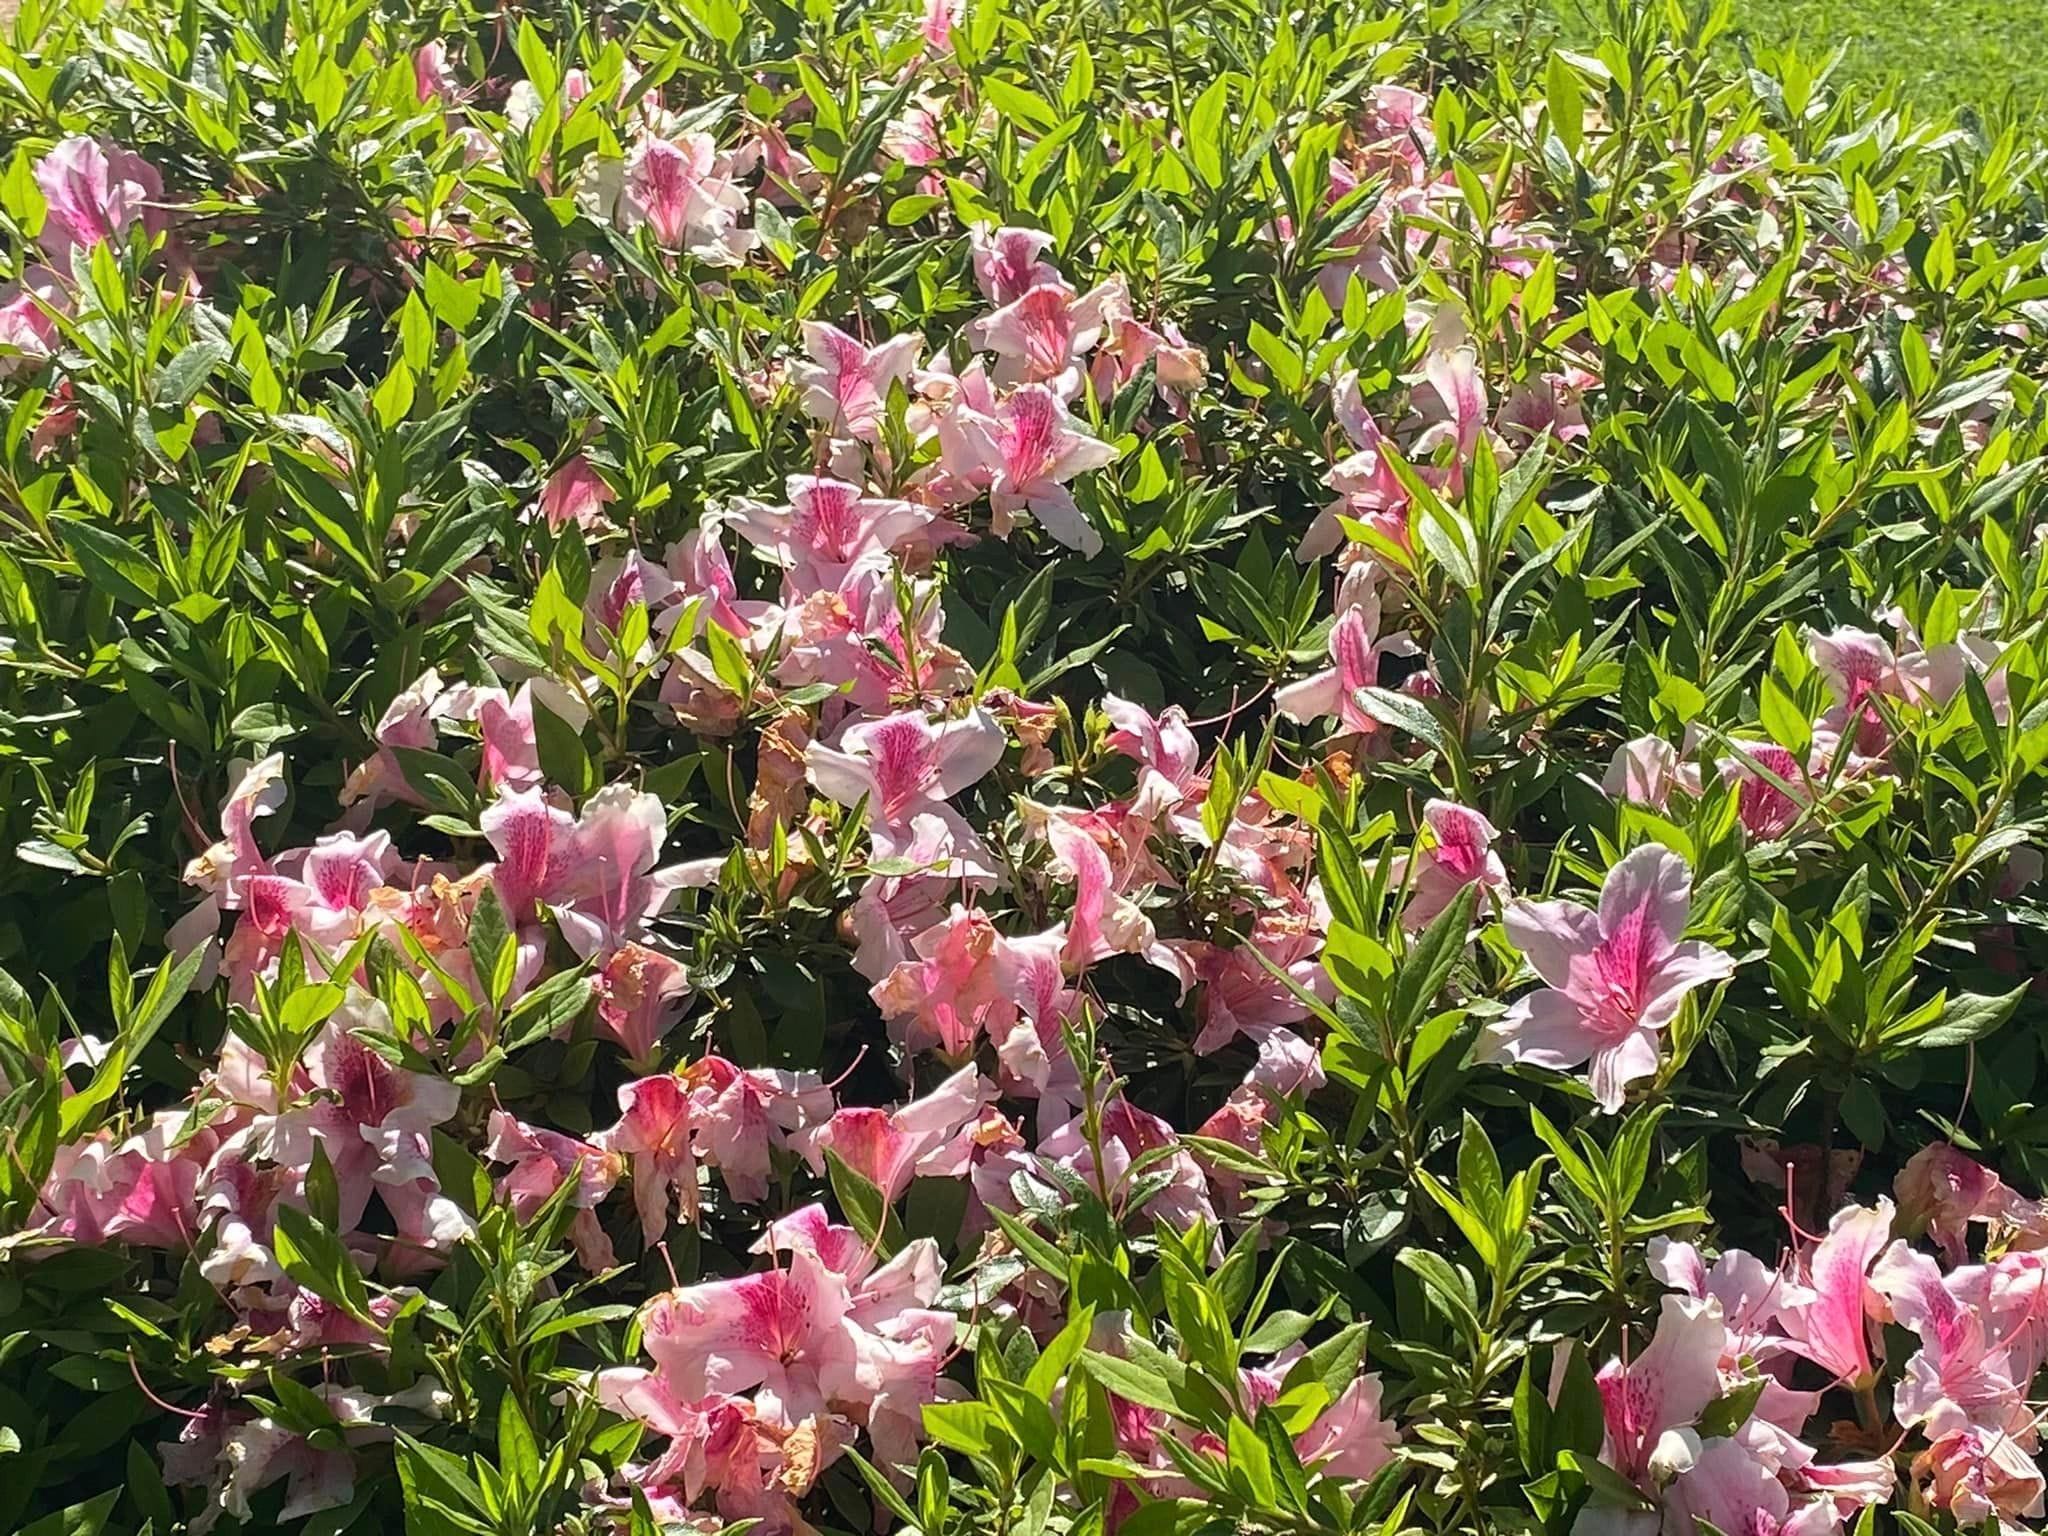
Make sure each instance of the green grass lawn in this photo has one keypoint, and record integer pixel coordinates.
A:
(1988, 54)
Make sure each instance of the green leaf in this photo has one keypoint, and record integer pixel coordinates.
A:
(867, 1210)
(1970, 1016)
(184, 375)
(1205, 131)
(1566, 100)
(1429, 962)
(110, 562)
(86, 1519)
(312, 1255)
(1132, 1382)
(1404, 714)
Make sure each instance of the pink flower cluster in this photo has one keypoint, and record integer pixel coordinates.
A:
(1738, 1328)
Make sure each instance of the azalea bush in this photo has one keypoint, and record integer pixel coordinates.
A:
(953, 769)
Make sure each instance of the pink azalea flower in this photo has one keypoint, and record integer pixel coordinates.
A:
(783, 1333)
(698, 563)
(26, 323)
(743, 1115)
(542, 1161)
(1459, 853)
(596, 873)
(224, 869)
(640, 992)
(511, 748)
(846, 385)
(654, 1135)
(904, 766)
(617, 586)
(1164, 746)
(1956, 1379)
(1731, 1489)
(1664, 1388)
(1103, 922)
(1026, 453)
(1008, 263)
(1614, 979)
(1355, 652)
(1984, 1474)
(534, 839)
(1943, 1190)
(940, 17)
(684, 190)
(1040, 336)
(892, 912)
(1128, 344)
(1860, 668)
(1832, 1328)
(1646, 770)
(1457, 414)
(408, 722)
(1550, 402)
(825, 529)
(949, 992)
(576, 493)
(95, 192)
(1128, 1134)
(430, 80)
(1349, 1439)
(923, 1138)
(1765, 810)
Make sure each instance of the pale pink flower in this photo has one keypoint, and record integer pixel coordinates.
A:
(844, 385)
(576, 493)
(26, 324)
(1956, 1379)
(1832, 1326)
(1041, 336)
(701, 569)
(430, 79)
(940, 17)
(685, 192)
(1860, 668)
(1646, 770)
(407, 722)
(640, 993)
(1984, 1474)
(1129, 1134)
(1026, 453)
(742, 1115)
(655, 1136)
(1664, 1388)
(1163, 745)
(1730, 1488)
(1355, 651)
(1614, 979)
(1103, 921)
(1009, 263)
(542, 1161)
(948, 992)
(924, 1138)
(224, 869)
(95, 192)
(505, 722)
(1459, 853)
(1549, 402)
(827, 527)
(1943, 1190)
(783, 1333)
(1128, 344)
(1764, 808)
(905, 766)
